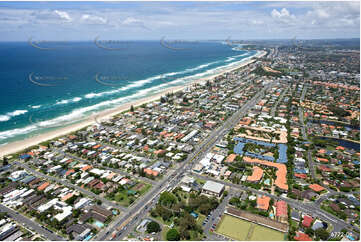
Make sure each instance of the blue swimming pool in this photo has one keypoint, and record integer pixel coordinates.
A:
(99, 224)
(88, 237)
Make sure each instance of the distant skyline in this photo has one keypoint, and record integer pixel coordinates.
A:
(46, 21)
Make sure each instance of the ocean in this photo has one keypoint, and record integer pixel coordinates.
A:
(47, 85)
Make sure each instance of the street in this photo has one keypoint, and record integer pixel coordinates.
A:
(50, 235)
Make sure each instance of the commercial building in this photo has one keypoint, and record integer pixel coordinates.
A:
(213, 188)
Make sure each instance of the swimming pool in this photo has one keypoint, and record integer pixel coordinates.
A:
(88, 237)
(99, 224)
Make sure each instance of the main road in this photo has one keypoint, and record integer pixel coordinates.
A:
(171, 178)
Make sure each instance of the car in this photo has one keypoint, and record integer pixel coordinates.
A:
(212, 230)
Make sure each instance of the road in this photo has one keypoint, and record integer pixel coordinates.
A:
(175, 176)
(309, 208)
(300, 113)
(303, 93)
(331, 193)
(280, 98)
(311, 165)
(68, 184)
(215, 217)
(30, 224)
(300, 117)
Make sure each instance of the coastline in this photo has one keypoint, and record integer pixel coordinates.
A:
(17, 146)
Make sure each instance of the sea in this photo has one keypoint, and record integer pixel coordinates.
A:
(48, 85)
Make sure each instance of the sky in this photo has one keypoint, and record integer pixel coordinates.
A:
(73, 21)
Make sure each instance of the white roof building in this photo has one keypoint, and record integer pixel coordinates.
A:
(213, 188)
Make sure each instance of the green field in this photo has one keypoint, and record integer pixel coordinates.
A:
(239, 229)
(233, 227)
(264, 233)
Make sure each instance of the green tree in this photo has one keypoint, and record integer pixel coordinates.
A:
(5, 161)
(173, 235)
(322, 234)
(153, 227)
(167, 199)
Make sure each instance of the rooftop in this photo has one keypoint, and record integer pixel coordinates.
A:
(213, 186)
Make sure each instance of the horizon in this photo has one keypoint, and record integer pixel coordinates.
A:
(82, 21)
(92, 40)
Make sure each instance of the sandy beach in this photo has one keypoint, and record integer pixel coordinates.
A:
(17, 146)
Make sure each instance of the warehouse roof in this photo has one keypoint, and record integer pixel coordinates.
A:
(213, 186)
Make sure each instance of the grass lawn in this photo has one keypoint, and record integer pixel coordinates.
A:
(264, 233)
(164, 232)
(123, 198)
(233, 227)
(200, 219)
(160, 219)
(200, 181)
(144, 189)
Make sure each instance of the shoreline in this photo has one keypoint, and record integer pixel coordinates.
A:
(16, 146)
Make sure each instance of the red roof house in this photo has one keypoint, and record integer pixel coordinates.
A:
(307, 221)
(302, 237)
(281, 209)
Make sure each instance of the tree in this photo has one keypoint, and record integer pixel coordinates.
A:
(5, 161)
(173, 235)
(2, 215)
(310, 232)
(322, 233)
(132, 108)
(167, 199)
(153, 227)
(184, 234)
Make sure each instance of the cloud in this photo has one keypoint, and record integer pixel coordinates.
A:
(183, 20)
(257, 22)
(63, 15)
(93, 19)
(130, 21)
(283, 16)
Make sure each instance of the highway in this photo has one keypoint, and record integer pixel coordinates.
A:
(30, 224)
(68, 184)
(173, 178)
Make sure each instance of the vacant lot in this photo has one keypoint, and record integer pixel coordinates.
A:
(240, 229)
(233, 227)
(263, 233)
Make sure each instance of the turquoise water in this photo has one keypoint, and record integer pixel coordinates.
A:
(99, 224)
(46, 89)
(88, 237)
